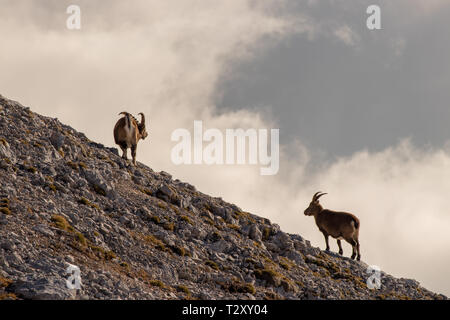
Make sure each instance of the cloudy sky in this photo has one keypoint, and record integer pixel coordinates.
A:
(362, 114)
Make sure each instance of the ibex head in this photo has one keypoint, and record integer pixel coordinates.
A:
(314, 206)
(141, 126)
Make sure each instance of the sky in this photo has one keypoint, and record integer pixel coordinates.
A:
(362, 113)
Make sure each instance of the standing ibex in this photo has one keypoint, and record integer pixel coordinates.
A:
(339, 225)
(127, 133)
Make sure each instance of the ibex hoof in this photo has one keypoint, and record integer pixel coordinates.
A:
(341, 252)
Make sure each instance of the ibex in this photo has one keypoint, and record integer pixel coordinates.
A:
(339, 225)
(127, 133)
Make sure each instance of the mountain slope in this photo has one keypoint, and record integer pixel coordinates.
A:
(139, 234)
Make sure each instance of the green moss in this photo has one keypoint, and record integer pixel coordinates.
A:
(266, 233)
(162, 205)
(178, 250)
(177, 211)
(156, 283)
(184, 289)
(80, 238)
(31, 169)
(156, 242)
(82, 165)
(52, 187)
(109, 255)
(8, 296)
(212, 264)
(237, 286)
(4, 206)
(5, 282)
(216, 236)
(146, 191)
(102, 253)
(97, 249)
(249, 288)
(73, 165)
(250, 261)
(99, 190)
(285, 263)
(244, 215)
(86, 202)
(261, 273)
(155, 219)
(170, 226)
(186, 218)
(233, 226)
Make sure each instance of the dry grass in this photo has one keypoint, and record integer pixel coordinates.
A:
(61, 223)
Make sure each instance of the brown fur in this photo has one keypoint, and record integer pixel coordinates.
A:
(136, 130)
(336, 224)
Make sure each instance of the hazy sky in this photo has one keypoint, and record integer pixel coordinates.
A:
(362, 114)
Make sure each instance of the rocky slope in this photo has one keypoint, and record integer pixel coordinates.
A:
(139, 234)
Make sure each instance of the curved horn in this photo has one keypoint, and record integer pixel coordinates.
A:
(317, 198)
(142, 118)
(124, 113)
(317, 195)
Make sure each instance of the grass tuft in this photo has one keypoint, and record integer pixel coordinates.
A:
(212, 264)
(61, 223)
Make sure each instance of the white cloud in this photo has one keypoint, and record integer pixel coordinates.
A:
(346, 35)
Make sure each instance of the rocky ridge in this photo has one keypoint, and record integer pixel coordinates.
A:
(140, 234)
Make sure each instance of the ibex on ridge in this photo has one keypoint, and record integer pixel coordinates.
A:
(127, 133)
(339, 225)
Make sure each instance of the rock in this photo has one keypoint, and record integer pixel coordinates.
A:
(144, 213)
(57, 140)
(8, 245)
(6, 152)
(255, 233)
(185, 202)
(100, 184)
(220, 246)
(167, 194)
(269, 276)
(283, 241)
(41, 228)
(42, 289)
